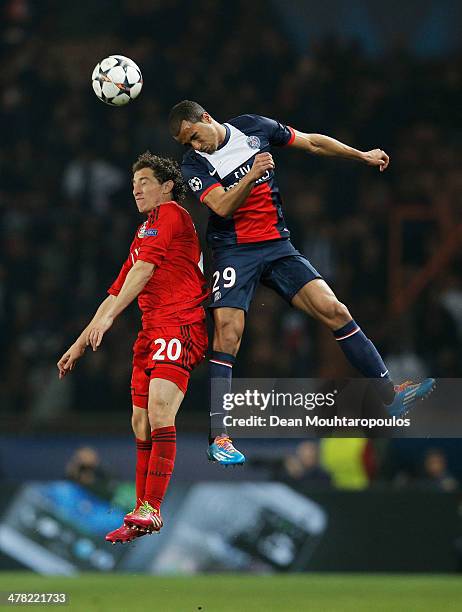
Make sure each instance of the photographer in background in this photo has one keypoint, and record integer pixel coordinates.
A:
(299, 469)
(435, 472)
(84, 469)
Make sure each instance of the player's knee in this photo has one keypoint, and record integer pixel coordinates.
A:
(336, 313)
(140, 425)
(161, 413)
(343, 315)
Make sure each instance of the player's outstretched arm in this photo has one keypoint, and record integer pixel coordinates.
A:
(319, 144)
(224, 203)
(134, 283)
(75, 351)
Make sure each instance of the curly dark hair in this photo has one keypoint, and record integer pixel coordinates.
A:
(187, 110)
(164, 169)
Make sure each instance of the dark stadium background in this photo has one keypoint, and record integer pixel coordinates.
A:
(369, 74)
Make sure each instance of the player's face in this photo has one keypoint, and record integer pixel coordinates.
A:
(201, 136)
(147, 190)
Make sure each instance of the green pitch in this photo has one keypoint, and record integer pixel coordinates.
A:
(240, 593)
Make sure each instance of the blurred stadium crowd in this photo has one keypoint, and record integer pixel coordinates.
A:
(350, 463)
(67, 214)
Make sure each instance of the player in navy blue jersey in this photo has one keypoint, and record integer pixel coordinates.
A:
(229, 167)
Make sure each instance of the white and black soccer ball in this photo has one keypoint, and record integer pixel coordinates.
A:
(116, 80)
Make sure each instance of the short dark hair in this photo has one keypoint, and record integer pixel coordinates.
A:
(187, 110)
(164, 169)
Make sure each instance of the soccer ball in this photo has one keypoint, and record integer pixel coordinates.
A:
(116, 80)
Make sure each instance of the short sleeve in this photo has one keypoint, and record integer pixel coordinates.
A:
(279, 135)
(117, 285)
(198, 175)
(158, 235)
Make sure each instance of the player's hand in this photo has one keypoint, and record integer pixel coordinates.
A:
(377, 157)
(67, 361)
(262, 163)
(96, 333)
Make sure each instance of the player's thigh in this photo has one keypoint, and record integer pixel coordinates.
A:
(289, 275)
(139, 384)
(235, 278)
(318, 300)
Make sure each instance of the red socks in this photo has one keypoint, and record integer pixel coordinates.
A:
(143, 452)
(160, 467)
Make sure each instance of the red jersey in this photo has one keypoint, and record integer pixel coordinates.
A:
(174, 293)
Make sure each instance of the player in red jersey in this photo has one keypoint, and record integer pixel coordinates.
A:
(164, 270)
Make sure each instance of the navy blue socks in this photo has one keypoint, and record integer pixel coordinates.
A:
(220, 378)
(363, 355)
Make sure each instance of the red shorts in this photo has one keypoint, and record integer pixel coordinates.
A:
(169, 353)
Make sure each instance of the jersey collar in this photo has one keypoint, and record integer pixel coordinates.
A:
(226, 140)
(153, 211)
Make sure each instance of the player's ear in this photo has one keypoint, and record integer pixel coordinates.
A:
(206, 118)
(168, 186)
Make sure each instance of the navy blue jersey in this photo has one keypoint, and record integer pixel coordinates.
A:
(260, 217)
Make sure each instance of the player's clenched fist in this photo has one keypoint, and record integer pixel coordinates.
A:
(262, 163)
(377, 157)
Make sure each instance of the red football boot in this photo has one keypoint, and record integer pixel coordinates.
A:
(123, 534)
(145, 517)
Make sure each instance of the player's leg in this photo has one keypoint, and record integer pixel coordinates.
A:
(228, 329)
(165, 398)
(139, 388)
(169, 370)
(142, 432)
(237, 271)
(318, 300)
(229, 326)
(295, 279)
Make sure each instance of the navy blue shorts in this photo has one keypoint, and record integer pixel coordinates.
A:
(276, 264)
